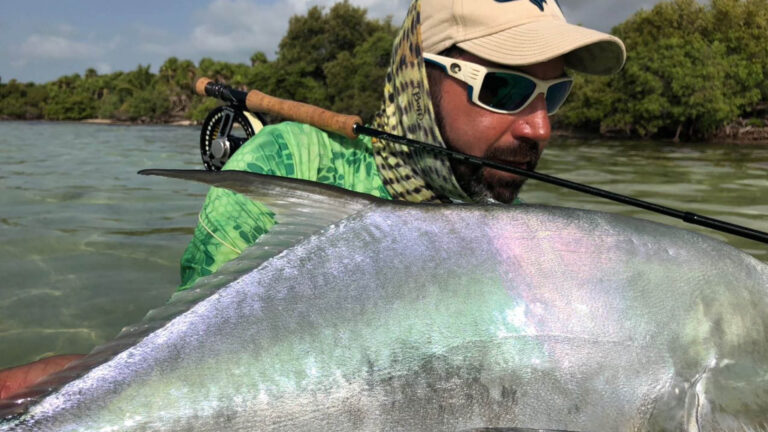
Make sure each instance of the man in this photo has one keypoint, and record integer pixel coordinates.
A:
(502, 118)
(477, 76)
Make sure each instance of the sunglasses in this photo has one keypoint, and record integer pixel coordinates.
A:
(502, 90)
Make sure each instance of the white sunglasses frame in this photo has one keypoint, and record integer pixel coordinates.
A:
(473, 75)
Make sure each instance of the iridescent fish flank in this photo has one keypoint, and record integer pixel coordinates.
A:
(540, 265)
(357, 314)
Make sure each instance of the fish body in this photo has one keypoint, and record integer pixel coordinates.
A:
(359, 314)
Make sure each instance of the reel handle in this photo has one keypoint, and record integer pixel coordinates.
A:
(257, 101)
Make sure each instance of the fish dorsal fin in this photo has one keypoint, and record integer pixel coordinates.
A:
(301, 209)
(287, 197)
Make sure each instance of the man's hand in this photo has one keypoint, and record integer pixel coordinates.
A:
(18, 378)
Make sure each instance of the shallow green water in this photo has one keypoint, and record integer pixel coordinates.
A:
(87, 246)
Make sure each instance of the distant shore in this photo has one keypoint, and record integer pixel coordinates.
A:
(731, 134)
(754, 136)
(98, 121)
(126, 123)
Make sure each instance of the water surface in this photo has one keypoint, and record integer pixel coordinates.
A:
(87, 246)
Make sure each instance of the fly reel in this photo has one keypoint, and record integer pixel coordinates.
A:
(224, 131)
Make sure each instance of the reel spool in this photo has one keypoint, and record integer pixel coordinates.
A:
(224, 131)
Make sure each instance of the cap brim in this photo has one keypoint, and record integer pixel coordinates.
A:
(584, 50)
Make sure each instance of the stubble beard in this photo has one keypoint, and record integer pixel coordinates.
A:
(483, 184)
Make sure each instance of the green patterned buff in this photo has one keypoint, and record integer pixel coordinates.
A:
(230, 222)
(411, 174)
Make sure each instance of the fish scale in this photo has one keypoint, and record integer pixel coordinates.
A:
(379, 315)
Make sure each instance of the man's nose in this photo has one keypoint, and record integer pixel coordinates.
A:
(533, 121)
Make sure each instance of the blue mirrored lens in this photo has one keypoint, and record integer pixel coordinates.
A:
(506, 92)
(556, 95)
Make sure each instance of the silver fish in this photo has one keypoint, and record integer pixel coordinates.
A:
(355, 313)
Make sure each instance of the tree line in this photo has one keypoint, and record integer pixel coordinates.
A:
(692, 70)
(335, 58)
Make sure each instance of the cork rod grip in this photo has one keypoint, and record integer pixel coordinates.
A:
(297, 111)
(200, 86)
(259, 102)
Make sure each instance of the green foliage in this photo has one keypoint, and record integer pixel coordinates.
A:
(22, 101)
(108, 107)
(690, 70)
(355, 80)
(326, 59)
(200, 110)
(67, 101)
(146, 104)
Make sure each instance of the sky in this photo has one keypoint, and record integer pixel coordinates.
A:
(41, 40)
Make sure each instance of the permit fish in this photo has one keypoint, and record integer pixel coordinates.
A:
(359, 314)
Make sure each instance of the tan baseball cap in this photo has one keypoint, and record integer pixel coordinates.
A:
(518, 33)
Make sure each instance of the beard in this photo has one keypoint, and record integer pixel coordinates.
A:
(483, 184)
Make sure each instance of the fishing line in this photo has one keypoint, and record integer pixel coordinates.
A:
(234, 249)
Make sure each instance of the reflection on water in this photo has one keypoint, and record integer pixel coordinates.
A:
(87, 246)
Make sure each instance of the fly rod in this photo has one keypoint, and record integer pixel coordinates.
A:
(351, 126)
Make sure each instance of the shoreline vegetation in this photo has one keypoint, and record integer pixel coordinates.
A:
(732, 134)
(694, 72)
(178, 122)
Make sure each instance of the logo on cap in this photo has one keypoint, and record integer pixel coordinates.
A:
(539, 3)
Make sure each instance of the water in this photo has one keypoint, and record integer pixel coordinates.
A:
(87, 246)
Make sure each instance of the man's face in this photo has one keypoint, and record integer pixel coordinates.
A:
(514, 139)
